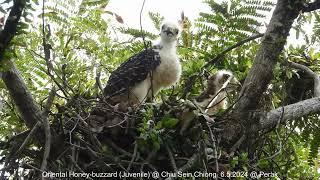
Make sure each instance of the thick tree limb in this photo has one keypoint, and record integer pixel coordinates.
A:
(310, 73)
(311, 6)
(272, 44)
(297, 110)
(289, 112)
(27, 107)
(10, 27)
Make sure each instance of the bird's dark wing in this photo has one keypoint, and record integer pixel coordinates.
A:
(131, 72)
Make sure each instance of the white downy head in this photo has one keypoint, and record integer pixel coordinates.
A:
(169, 32)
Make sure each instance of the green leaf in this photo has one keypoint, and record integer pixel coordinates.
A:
(36, 2)
(289, 74)
(169, 122)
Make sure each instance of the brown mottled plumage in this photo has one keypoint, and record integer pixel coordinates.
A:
(211, 100)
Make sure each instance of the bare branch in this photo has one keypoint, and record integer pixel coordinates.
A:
(310, 73)
(31, 133)
(194, 158)
(289, 112)
(141, 29)
(171, 157)
(221, 54)
(134, 156)
(237, 145)
(214, 146)
(47, 147)
(76, 165)
(49, 102)
(311, 6)
(98, 82)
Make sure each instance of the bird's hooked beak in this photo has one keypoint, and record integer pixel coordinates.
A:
(170, 31)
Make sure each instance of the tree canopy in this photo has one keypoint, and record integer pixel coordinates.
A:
(56, 57)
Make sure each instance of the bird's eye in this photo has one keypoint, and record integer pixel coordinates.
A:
(177, 31)
(163, 26)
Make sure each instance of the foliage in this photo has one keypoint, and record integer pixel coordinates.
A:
(83, 53)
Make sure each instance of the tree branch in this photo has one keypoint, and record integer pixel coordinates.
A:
(193, 159)
(46, 124)
(297, 110)
(289, 112)
(310, 73)
(10, 27)
(27, 107)
(212, 61)
(27, 139)
(311, 6)
(272, 44)
(49, 102)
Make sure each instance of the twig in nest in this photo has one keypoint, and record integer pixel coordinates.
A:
(214, 145)
(210, 105)
(77, 166)
(223, 88)
(30, 166)
(117, 148)
(204, 154)
(236, 145)
(232, 105)
(135, 151)
(194, 158)
(153, 152)
(173, 162)
(70, 132)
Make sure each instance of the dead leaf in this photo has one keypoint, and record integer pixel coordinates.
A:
(119, 18)
(2, 21)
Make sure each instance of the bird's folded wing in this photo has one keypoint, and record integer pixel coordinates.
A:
(131, 72)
